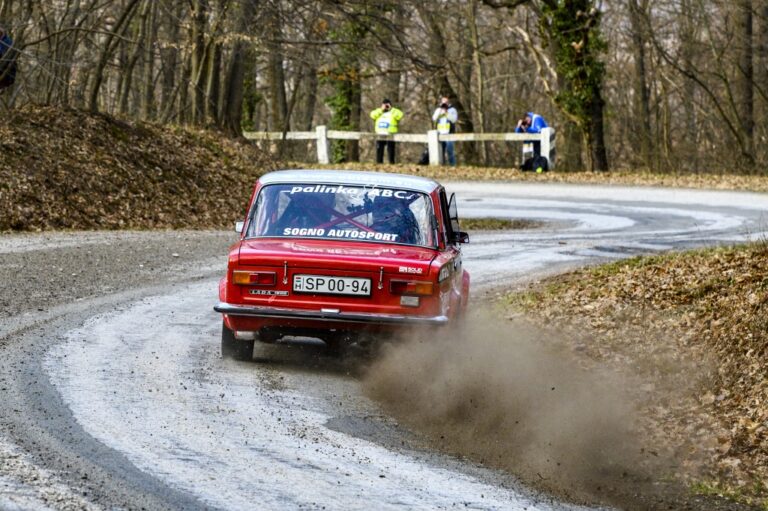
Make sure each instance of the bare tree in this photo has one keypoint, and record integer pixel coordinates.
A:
(684, 82)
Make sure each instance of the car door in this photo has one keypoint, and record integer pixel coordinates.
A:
(451, 275)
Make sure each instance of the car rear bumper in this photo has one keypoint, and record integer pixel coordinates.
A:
(327, 315)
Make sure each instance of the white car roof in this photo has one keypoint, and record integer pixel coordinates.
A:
(351, 177)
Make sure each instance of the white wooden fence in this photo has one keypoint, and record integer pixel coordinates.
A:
(322, 135)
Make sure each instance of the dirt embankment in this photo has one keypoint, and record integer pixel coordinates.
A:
(691, 332)
(67, 169)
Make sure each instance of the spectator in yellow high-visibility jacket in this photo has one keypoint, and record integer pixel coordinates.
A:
(385, 119)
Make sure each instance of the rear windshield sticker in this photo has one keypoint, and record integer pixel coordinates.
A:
(347, 190)
(340, 233)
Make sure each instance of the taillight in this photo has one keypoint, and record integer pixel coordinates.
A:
(254, 278)
(410, 287)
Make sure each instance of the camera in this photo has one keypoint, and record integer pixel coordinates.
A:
(387, 107)
(445, 106)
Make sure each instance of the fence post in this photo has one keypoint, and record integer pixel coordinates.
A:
(433, 145)
(323, 148)
(546, 146)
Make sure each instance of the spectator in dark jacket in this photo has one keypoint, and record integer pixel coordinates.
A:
(7, 60)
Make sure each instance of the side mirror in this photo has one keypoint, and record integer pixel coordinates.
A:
(239, 227)
(453, 213)
(460, 237)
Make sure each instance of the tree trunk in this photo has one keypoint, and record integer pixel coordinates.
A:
(5, 9)
(761, 79)
(127, 72)
(438, 55)
(689, 145)
(232, 114)
(310, 100)
(148, 80)
(478, 80)
(183, 107)
(199, 24)
(642, 109)
(596, 133)
(213, 85)
(746, 81)
(275, 73)
(169, 59)
(318, 31)
(394, 74)
(355, 111)
(106, 52)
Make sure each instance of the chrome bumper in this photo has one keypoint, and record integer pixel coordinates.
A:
(339, 317)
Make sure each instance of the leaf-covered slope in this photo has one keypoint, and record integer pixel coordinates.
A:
(693, 327)
(68, 169)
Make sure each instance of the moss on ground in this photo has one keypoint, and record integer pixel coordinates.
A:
(498, 224)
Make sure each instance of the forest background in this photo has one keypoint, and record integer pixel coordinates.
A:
(663, 85)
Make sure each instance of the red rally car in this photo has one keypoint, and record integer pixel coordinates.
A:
(337, 254)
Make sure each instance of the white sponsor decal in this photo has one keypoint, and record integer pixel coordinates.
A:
(340, 233)
(346, 190)
(410, 269)
(295, 231)
(352, 234)
(267, 292)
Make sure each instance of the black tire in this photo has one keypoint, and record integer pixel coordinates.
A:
(235, 348)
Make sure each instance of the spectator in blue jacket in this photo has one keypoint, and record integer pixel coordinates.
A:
(532, 123)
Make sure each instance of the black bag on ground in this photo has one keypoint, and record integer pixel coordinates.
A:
(535, 163)
(424, 160)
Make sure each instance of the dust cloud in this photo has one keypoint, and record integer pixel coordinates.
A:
(497, 392)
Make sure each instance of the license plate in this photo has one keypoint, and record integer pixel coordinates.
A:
(323, 284)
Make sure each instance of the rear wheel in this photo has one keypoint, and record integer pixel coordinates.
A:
(235, 348)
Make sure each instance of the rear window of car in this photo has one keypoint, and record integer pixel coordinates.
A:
(340, 212)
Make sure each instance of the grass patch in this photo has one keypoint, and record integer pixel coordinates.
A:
(498, 224)
(715, 489)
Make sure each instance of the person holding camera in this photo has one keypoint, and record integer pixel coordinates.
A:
(385, 119)
(532, 123)
(445, 118)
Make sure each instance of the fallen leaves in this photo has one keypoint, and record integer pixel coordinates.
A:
(711, 181)
(68, 169)
(692, 329)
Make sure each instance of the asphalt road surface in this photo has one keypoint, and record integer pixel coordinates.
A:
(113, 394)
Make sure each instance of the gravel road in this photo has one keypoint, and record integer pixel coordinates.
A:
(113, 394)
